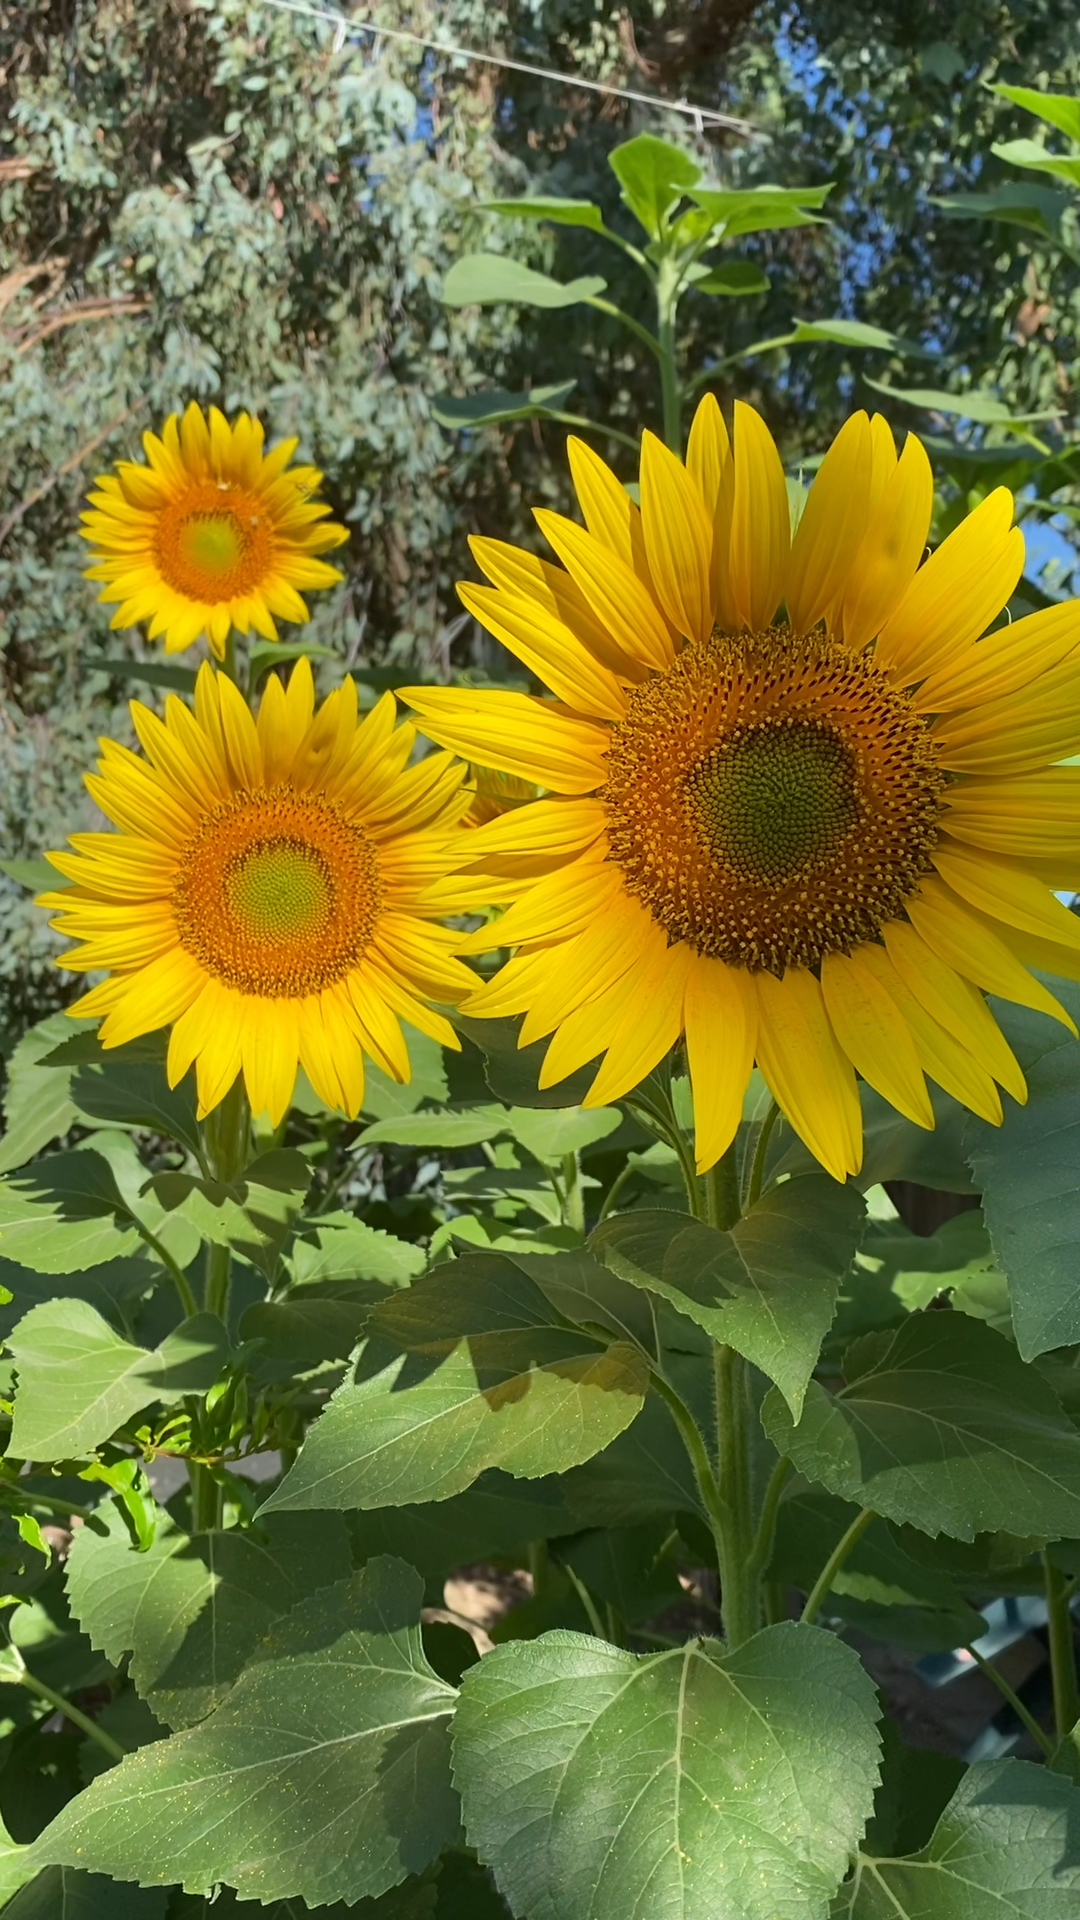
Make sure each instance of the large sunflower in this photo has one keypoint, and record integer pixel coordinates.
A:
(796, 808)
(212, 534)
(269, 891)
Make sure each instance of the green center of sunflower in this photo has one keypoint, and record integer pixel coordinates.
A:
(280, 891)
(774, 796)
(212, 542)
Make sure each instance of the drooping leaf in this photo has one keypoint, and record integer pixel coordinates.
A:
(1061, 110)
(468, 1369)
(943, 1427)
(78, 1380)
(1007, 1844)
(113, 1288)
(65, 1213)
(973, 405)
(540, 206)
(550, 1133)
(1029, 1173)
(37, 1103)
(768, 1288)
(513, 1072)
(324, 1773)
(849, 333)
(653, 176)
(685, 1783)
(486, 279)
(191, 1609)
(132, 1092)
(491, 405)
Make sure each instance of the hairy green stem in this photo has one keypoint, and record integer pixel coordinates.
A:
(999, 1681)
(1062, 1649)
(770, 1507)
(740, 1582)
(73, 1713)
(218, 1273)
(587, 1602)
(761, 1148)
(573, 1195)
(721, 1192)
(845, 1545)
(207, 1498)
(697, 1452)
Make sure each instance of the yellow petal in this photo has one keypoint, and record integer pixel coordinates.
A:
(581, 969)
(873, 1034)
(760, 522)
(1005, 663)
(945, 1059)
(618, 596)
(561, 904)
(544, 830)
(153, 996)
(678, 539)
(968, 942)
(653, 1022)
(1033, 817)
(1005, 892)
(515, 733)
(892, 547)
(709, 464)
(946, 606)
(721, 1015)
(808, 1075)
(832, 526)
(954, 1003)
(548, 648)
(527, 575)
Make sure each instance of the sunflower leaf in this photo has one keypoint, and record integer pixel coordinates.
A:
(487, 279)
(324, 1772)
(37, 1101)
(768, 1288)
(1005, 1845)
(66, 1213)
(78, 1380)
(66, 1893)
(469, 1369)
(942, 1427)
(723, 1782)
(494, 404)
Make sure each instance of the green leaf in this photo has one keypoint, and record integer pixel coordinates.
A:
(486, 279)
(264, 655)
(468, 1369)
(156, 673)
(37, 875)
(1016, 203)
(66, 1893)
(323, 1774)
(492, 404)
(628, 1567)
(689, 1783)
(645, 1471)
(384, 1097)
(653, 176)
(37, 1102)
(736, 279)
(1029, 1174)
(1007, 1844)
(1061, 110)
(191, 1609)
(761, 209)
(340, 1247)
(497, 1515)
(550, 1133)
(513, 1072)
(299, 1334)
(112, 1288)
(1030, 154)
(413, 1900)
(13, 1870)
(124, 1090)
(254, 1215)
(78, 1380)
(65, 1213)
(974, 405)
(542, 206)
(768, 1288)
(942, 1427)
(441, 1129)
(849, 333)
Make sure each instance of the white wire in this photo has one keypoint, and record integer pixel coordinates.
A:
(345, 23)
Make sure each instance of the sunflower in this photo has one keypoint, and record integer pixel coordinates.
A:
(796, 808)
(212, 534)
(269, 891)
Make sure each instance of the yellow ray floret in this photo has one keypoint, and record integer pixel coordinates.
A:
(269, 892)
(797, 806)
(210, 534)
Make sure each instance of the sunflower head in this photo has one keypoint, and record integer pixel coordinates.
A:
(269, 890)
(800, 806)
(211, 533)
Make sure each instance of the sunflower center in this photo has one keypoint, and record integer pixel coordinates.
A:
(214, 542)
(278, 893)
(771, 800)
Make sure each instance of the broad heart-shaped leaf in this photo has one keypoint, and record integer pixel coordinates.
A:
(486, 279)
(323, 1774)
(539, 206)
(131, 1092)
(549, 1133)
(944, 1428)
(337, 1246)
(113, 1288)
(653, 176)
(470, 1368)
(65, 1213)
(1007, 1844)
(496, 1515)
(849, 333)
(37, 1103)
(768, 1288)
(78, 1380)
(65, 1893)
(190, 1609)
(734, 279)
(492, 404)
(1029, 1172)
(685, 1784)
(254, 1216)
